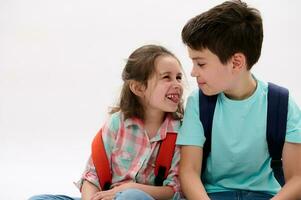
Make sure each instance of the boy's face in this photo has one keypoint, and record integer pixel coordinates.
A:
(211, 75)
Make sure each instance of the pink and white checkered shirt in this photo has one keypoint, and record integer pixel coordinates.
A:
(132, 154)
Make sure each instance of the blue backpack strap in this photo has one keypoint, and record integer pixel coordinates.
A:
(207, 107)
(276, 127)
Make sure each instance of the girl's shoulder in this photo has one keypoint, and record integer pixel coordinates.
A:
(173, 124)
(114, 121)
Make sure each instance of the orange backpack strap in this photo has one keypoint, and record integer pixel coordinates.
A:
(101, 162)
(164, 157)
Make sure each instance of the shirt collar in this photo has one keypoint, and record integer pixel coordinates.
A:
(167, 126)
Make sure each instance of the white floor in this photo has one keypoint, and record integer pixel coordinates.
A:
(38, 166)
(60, 70)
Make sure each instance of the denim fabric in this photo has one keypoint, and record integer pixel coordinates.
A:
(239, 195)
(52, 197)
(133, 194)
(129, 194)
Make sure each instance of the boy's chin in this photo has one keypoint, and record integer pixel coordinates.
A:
(209, 93)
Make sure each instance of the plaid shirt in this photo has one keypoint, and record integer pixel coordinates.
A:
(132, 154)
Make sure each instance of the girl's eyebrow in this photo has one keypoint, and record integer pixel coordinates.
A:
(164, 73)
(167, 73)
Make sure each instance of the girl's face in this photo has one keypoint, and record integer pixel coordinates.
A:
(164, 88)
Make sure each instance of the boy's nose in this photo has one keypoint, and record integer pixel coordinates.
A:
(193, 72)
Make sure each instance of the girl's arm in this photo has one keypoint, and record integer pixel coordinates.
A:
(292, 171)
(88, 190)
(157, 192)
(89, 183)
(190, 171)
(171, 184)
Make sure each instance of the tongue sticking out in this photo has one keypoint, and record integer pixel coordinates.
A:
(174, 97)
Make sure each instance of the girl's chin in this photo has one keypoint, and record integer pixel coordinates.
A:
(172, 110)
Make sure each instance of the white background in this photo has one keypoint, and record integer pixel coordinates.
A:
(60, 67)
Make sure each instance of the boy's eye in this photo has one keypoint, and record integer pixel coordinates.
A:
(179, 77)
(200, 65)
(165, 77)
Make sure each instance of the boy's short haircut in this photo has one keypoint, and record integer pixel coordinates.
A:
(229, 28)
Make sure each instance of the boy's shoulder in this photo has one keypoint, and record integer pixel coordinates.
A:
(194, 95)
(262, 88)
(174, 125)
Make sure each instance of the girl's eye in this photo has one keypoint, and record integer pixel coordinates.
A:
(165, 77)
(179, 77)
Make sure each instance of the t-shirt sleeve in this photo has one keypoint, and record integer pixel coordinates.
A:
(293, 129)
(191, 131)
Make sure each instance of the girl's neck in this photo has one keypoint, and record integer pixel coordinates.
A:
(152, 122)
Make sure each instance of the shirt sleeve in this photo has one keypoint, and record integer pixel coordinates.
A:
(172, 179)
(109, 131)
(293, 129)
(89, 174)
(191, 131)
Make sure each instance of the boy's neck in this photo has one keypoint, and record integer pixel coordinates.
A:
(244, 87)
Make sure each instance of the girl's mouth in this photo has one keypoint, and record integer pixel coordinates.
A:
(173, 97)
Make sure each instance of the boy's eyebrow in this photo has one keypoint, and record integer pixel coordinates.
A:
(197, 58)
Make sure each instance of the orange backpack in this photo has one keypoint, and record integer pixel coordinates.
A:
(103, 168)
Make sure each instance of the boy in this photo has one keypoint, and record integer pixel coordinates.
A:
(224, 43)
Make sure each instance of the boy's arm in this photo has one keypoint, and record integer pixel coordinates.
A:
(292, 171)
(190, 171)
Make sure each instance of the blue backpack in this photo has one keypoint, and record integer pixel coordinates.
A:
(276, 125)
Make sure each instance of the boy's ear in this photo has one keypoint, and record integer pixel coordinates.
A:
(239, 61)
(137, 88)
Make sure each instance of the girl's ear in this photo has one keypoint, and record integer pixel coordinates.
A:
(137, 88)
(239, 61)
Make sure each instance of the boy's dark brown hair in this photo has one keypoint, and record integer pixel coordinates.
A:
(229, 28)
(140, 67)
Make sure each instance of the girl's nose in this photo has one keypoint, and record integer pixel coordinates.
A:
(177, 84)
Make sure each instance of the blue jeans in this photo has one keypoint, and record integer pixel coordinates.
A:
(133, 194)
(239, 195)
(129, 194)
(52, 197)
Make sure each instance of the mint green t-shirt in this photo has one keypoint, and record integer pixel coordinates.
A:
(239, 158)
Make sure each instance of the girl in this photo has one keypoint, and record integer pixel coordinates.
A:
(150, 106)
